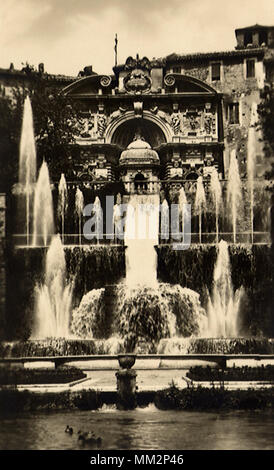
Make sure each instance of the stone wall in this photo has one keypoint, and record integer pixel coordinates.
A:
(236, 88)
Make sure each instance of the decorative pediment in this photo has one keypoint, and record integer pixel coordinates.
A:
(188, 84)
(90, 85)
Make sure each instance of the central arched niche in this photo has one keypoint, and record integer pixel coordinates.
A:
(125, 133)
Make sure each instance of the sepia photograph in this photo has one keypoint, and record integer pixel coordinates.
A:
(137, 230)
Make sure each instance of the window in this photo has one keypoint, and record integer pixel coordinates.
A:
(216, 71)
(177, 69)
(250, 68)
(248, 38)
(263, 38)
(233, 113)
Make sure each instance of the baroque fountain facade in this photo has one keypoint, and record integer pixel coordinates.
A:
(150, 139)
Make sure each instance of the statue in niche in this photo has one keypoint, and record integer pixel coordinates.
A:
(138, 136)
(117, 114)
(85, 126)
(176, 123)
(193, 122)
(101, 124)
(208, 160)
(161, 114)
(208, 124)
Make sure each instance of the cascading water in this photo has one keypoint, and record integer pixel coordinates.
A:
(43, 222)
(251, 158)
(145, 311)
(62, 203)
(223, 305)
(53, 298)
(79, 207)
(27, 160)
(234, 192)
(216, 193)
(200, 204)
(141, 236)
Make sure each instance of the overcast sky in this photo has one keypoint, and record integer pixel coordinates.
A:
(68, 34)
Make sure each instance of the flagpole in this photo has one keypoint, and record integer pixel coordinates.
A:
(115, 49)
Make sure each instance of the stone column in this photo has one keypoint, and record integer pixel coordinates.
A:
(126, 383)
(2, 265)
(126, 389)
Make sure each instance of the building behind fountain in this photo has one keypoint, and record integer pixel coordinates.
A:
(157, 126)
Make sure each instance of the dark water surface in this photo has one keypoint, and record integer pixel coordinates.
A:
(143, 429)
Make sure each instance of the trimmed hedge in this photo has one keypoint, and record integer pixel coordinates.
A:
(19, 376)
(241, 374)
(13, 401)
(202, 398)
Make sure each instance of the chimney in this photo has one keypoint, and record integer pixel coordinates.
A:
(41, 68)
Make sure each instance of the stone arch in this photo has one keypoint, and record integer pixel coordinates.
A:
(160, 130)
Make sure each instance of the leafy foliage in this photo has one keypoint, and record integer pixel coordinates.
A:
(55, 126)
(266, 113)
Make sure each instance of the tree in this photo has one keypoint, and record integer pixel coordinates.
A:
(55, 127)
(266, 113)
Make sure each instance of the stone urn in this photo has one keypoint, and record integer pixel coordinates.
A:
(126, 361)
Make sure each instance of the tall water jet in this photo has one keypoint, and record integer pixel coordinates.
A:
(216, 193)
(234, 192)
(182, 205)
(117, 221)
(223, 305)
(251, 159)
(79, 207)
(97, 208)
(141, 236)
(53, 298)
(27, 160)
(62, 203)
(200, 204)
(164, 220)
(43, 222)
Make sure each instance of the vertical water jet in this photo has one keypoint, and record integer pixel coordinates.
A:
(164, 220)
(234, 192)
(62, 203)
(43, 222)
(79, 206)
(216, 193)
(53, 298)
(251, 160)
(200, 204)
(27, 160)
(223, 305)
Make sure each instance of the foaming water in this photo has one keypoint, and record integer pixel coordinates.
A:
(43, 222)
(223, 305)
(145, 311)
(143, 315)
(53, 298)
